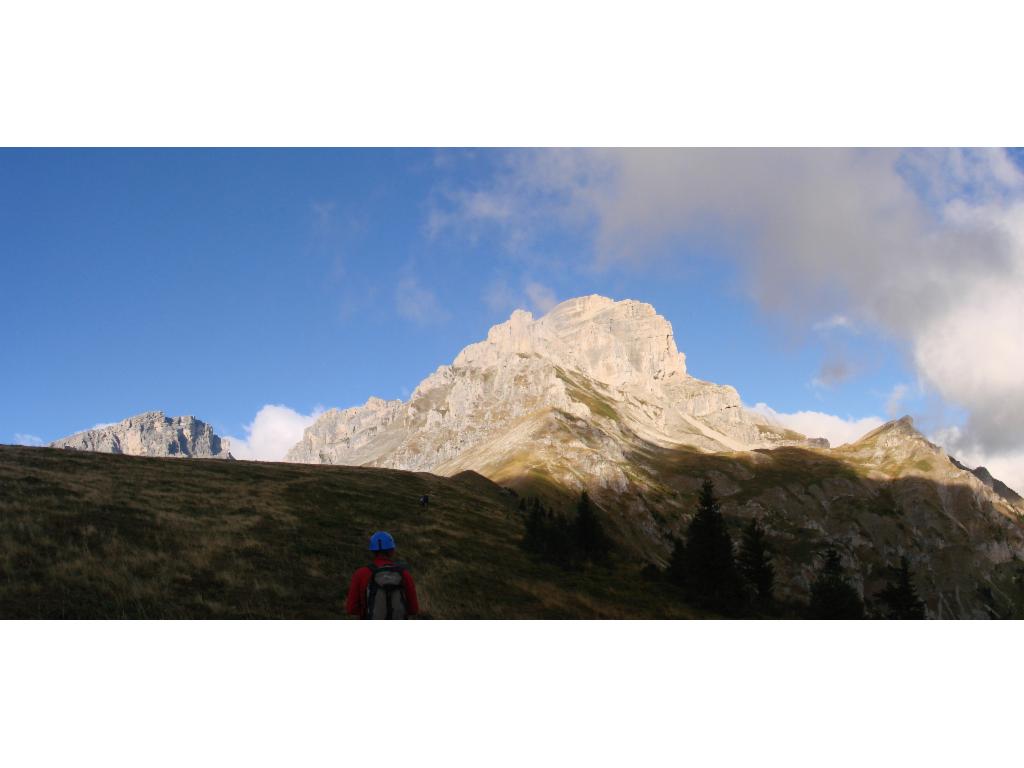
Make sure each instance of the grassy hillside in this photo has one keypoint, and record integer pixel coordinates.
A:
(91, 535)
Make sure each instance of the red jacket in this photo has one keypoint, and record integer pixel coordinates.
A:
(356, 603)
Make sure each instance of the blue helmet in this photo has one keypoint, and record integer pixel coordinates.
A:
(381, 540)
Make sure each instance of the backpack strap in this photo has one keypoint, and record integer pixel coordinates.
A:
(371, 590)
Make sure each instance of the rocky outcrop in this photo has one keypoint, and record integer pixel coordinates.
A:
(590, 358)
(151, 434)
(994, 483)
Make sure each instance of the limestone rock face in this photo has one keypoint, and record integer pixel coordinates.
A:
(151, 434)
(591, 358)
(620, 344)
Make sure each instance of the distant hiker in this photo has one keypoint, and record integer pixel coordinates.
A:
(424, 501)
(384, 589)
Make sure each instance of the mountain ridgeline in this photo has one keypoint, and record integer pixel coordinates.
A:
(151, 434)
(595, 397)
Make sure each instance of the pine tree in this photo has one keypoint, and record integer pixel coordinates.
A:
(901, 597)
(559, 545)
(549, 536)
(534, 537)
(677, 563)
(755, 564)
(588, 534)
(711, 576)
(832, 597)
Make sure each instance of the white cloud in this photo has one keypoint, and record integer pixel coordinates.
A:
(466, 210)
(417, 303)
(23, 439)
(499, 296)
(833, 372)
(894, 402)
(834, 322)
(973, 355)
(272, 433)
(816, 424)
(322, 212)
(541, 297)
(482, 205)
(925, 246)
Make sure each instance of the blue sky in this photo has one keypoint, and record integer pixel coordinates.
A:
(216, 282)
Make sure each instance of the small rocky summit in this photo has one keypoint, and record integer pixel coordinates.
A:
(151, 434)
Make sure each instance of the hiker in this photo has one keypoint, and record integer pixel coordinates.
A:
(384, 589)
(424, 501)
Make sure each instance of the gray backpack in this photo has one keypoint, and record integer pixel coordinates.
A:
(385, 595)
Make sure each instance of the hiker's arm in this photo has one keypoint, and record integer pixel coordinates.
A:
(412, 602)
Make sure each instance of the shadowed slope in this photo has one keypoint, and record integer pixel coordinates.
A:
(100, 535)
(888, 495)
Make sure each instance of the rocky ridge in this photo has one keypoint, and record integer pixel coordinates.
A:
(591, 358)
(151, 434)
(994, 483)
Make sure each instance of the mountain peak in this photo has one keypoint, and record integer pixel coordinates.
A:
(895, 429)
(147, 416)
(531, 382)
(584, 304)
(617, 343)
(897, 447)
(150, 434)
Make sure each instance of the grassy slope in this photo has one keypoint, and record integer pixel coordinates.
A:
(98, 535)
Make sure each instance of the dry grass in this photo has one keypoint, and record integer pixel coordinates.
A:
(107, 536)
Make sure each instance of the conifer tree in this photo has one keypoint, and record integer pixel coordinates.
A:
(559, 545)
(549, 536)
(755, 564)
(901, 597)
(677, 563)
(832, 596)
(535, 534)
(588, 533)
(711, 576)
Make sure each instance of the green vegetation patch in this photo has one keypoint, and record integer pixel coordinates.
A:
(584, 393)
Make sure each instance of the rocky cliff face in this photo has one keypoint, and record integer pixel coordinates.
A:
(592, 358)
(151, 434)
